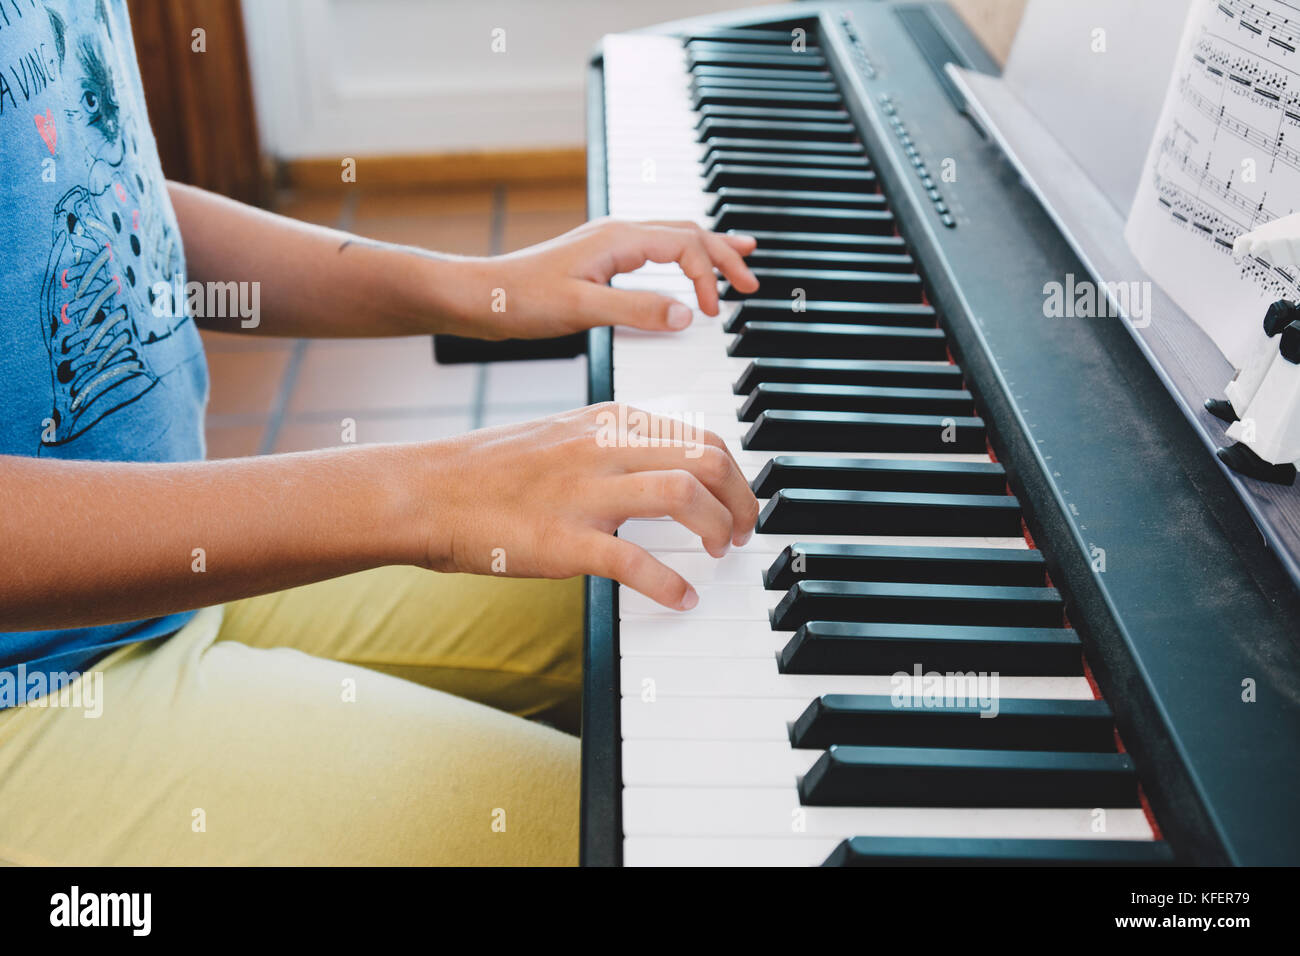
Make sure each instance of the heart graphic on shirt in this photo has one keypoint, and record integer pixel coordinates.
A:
(45, 126)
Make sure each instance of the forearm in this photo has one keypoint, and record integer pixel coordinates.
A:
(319, 282)
(88, 543)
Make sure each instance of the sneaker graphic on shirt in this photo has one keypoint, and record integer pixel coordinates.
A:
(150, 253)
(96, 364)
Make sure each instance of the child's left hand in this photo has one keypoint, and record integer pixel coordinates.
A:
(559, 286)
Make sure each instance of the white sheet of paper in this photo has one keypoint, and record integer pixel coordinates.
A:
(1094, 74)
(1225, 158)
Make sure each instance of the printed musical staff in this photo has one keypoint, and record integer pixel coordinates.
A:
(1200, 219)
(1228, 159)
(1277, 27)
(1274, 144)
(1199, 174)
(1224, 159)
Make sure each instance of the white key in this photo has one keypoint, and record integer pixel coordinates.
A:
(726, 851)
(693, 719)
(776, 811)
(630, 378)
(682, 636)
(684, 405)
(717, 603)
(744, 568)
(678, 763)
(656, 535)
(714, 680)
(753, 462)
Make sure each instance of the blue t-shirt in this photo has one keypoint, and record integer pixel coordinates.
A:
(89, 369)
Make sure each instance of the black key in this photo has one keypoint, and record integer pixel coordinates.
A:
(1010, 567)
(843, 285)
(707, 72)
(796, 197)
(793, 218)
(832, 511)
(762, 258)
(1077, 726)
(771, 113)
(828, 240)
(826, 339)
(724, 82)
(856, 398)
(966, 851)
(849, 647)
(801, 285)
(795, 152)
(934, 777)
(701, 57)
(776, 175)
(915, 315)
(780, 47)
(793, 430)
(717, 128)
(877, 474)
(833, 165)
(706, 96)
(894, 602)
(741, 35)
(837, 372)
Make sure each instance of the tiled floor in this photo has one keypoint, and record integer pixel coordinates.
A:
(277, 395)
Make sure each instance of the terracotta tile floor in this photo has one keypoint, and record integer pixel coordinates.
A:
(276, 395)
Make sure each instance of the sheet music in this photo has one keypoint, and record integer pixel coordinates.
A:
(1224, 159)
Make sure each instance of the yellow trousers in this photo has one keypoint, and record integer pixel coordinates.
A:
(376, 718)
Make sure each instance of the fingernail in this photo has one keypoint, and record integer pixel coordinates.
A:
(690, 599)
(744, 538)
(679, 316)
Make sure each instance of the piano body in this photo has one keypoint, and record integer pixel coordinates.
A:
(953, 484)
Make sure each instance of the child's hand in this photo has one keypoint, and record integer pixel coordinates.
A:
(544, 498)
(559, 286)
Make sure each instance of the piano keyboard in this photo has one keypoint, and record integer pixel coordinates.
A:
(764, 726)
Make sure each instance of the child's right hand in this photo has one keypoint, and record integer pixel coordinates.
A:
(551, 493)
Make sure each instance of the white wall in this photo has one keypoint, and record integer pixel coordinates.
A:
(366, 77)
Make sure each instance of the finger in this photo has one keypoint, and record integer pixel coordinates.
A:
(715, 468)
(633, 566)
(680, 242)
(675, 494)
(654, 442)
(696, 262)
(725, 252)
(660, 429)
(729, 262)
(741, 242)
(663, 428)
(602, 305)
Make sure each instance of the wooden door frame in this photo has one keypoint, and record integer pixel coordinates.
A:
(194, 65)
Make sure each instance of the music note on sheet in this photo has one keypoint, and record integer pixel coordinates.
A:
(1224, 159)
